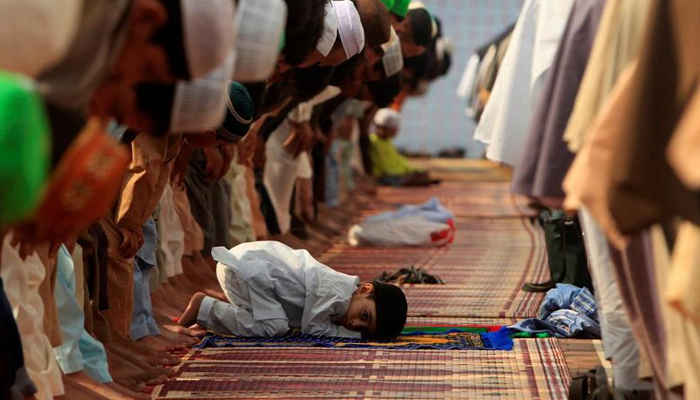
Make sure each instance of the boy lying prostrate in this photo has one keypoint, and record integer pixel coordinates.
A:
(272, 288)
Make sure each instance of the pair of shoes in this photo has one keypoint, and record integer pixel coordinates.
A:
(410, 275)
(594, 386)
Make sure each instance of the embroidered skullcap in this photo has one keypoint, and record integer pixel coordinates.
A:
(400, 7)
(375, 21)
(24, 148)
(387, 118)
(352, 34)
(392, 309)
(83, 185)
(260, 26)
(35, 34)
(208, 34)
(330, 30)
(393, 57)
(200, 105)
(239, 114)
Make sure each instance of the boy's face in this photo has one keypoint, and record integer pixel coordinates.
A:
(386, 132)
(362, 312)
(404, 30)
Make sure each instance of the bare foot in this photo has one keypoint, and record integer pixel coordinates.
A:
(160, 344)
(122, 373)
(152, 357)
(85, 381)
(189, 317)
(176, 337)
(131, 384)
(189, 331)
(126, 392)
(74, 390)
(127, 366)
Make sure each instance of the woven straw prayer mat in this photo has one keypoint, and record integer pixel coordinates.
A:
(534, 369)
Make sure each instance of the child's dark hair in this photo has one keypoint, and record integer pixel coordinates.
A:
(385, 90)
(170, 36)
(391, 310)
(156, 101)
(301, 41)
(422, 25)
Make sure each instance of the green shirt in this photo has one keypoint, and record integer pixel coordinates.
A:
(386, 160)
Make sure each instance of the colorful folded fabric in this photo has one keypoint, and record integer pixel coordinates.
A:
(437, 329)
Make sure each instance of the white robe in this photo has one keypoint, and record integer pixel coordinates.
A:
(504, 124)
(22, 280)
(281, 169)
(271, 288)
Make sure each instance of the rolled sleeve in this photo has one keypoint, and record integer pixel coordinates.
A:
(203, 316)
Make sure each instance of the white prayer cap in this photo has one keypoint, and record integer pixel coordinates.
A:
(330, 30)
(35, 34)
(442, 46)
(416, 4)
(200, 105)
(208, 33)
(387, 118)
(352, 34)
(260, 25)
(393, 57)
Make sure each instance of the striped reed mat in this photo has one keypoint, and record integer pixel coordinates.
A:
(535, 369)
(483, 270)
(464, 199)
(582, 355)
(463, 169)
(481, 249)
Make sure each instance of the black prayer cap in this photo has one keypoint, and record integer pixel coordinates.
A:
(391, 310)
(241, 112)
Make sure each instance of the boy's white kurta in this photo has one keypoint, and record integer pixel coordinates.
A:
(272, 287)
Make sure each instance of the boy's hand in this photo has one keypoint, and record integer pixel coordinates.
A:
(215, 163)
(180, 166)
(301, 139)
